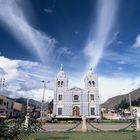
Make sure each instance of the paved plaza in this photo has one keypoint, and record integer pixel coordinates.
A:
(102, 126)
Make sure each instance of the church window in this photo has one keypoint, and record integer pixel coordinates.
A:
(92, 111)
(60, 97)
(58, 83)
(62, 83)
(90, 83)
(93, 83)
(91, 97)
(59, 111)
(76, 97)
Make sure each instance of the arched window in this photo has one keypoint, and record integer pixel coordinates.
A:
(62, 83)
(60, 97)
(58, 83)
(90, 83)
(91, 97)
(93, 83)
(76, 98)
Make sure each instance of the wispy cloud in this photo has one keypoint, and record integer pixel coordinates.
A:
(122, 62)
(13, 18)
(113, 38)
(137, 42)
(65, 51)
(130, 57)
(98, 40)
(48, 10)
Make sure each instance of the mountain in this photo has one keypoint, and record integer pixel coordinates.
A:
(135, 98)
(31, 102)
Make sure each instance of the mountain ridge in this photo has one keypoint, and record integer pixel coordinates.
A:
(111, 102)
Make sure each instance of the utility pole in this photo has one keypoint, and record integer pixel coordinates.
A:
(48, 105)
(42, 103)
(130, 103)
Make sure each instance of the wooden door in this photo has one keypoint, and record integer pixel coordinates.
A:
(76, 111)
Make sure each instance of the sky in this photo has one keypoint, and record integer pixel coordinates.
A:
(36, 37)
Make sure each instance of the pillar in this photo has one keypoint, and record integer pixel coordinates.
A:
(26, 123)
(84, 124)
(137, 123)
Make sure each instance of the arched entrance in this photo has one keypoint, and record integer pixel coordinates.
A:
(76, 111)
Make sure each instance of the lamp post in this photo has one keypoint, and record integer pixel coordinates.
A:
(130, 102)
(48, 105)
(42, 103)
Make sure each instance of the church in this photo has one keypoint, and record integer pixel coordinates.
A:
(76, 102)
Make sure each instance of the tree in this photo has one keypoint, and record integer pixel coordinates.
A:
(136, 102)
(50, 107)
(121, 106)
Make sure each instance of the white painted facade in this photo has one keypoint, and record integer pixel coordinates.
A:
(76, 102)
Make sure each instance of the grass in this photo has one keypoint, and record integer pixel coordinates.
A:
(88, 136)
(115, 121)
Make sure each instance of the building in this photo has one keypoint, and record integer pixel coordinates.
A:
(110, 114)
(135, 111)
(6, 106)
(33, 111)
(76, 102)
(18, 110)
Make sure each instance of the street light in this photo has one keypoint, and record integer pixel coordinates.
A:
(48, 105)
(130, 102)
(42, 104)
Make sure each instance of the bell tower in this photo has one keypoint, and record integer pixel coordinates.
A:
(91, 85)
(61, 83)
(91, 82)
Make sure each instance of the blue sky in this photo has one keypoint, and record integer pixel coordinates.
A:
(37, 36)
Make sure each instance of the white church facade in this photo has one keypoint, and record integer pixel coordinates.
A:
(76, 102)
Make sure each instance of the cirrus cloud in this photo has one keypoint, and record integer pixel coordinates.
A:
(105, 22)
(14, 19)
(137, 42)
